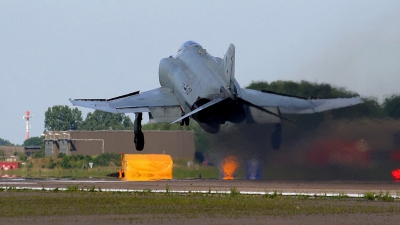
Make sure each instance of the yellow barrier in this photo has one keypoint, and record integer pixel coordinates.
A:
(144, 167)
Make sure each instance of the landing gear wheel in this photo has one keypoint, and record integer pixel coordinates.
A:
(276, 137)
(186, 121)
(139, 141)
(137, 129)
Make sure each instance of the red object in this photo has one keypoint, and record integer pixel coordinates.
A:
(8, 165)
(396, 174)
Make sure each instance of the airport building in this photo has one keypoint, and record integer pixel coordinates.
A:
(178, 144)
(10, 150)
(9, 153)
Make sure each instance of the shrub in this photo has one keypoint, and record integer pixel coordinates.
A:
(106, 158)
(38, 154)
(51, 164)
(65, 162)
(22, 156)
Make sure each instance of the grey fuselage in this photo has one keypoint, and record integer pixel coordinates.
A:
(196, 77)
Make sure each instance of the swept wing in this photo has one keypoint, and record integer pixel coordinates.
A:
(296, 105)
(133, 102)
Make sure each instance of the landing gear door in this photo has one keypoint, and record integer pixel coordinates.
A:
(166, 114)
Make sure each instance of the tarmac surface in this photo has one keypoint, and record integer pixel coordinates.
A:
(289, 187)
(294, 187)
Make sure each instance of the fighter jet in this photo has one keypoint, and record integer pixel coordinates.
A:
(197, 85)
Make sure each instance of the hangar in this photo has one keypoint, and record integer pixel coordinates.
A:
(178, 144)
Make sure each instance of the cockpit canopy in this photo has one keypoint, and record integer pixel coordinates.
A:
(185, 45)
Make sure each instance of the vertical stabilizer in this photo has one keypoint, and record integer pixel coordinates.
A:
(228, 68)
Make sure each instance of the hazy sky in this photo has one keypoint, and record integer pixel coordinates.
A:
(51, 51)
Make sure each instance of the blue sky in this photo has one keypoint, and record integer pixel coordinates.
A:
(51, 51)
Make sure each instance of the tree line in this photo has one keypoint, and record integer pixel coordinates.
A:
(63, 118)
(4, 142)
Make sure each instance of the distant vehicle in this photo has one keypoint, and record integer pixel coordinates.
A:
(198, 85)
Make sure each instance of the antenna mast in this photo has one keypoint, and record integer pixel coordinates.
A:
(27, 126)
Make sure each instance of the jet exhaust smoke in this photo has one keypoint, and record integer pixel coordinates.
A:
(360, 149)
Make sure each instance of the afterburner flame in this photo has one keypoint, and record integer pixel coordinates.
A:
(229, 166)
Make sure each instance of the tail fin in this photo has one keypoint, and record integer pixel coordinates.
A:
(228, 68)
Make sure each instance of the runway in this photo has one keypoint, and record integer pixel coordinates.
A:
(328, 188)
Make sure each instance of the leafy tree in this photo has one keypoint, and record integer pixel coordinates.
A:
(2, 155)
(65, 162)
(22, 156)
(51, 164)
(370, 109)
(100, 120)
(303, 89)
(4, 142)
(258, 85)
(39, 154)
(58, 118)
(391, 106)
(34, 141)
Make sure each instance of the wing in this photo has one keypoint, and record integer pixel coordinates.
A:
(296, 105)
(132, 102)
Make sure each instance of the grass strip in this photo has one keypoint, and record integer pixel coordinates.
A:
(26, 203)
(179, 172)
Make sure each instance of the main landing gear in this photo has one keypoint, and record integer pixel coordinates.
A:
(185, 121)
(137, 129)
(276, 137)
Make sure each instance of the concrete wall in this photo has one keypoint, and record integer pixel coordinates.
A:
(9, 150)
(178, 144)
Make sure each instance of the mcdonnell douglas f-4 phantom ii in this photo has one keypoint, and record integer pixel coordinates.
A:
(198, 85)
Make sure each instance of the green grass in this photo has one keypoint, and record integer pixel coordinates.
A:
(180, 171)
(61, 173)
(98, 172)
(18, 203)
(207, 172)
(381, 197)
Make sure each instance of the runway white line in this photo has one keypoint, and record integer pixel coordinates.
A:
(6, 183)
(203, 192)
(85, 181)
